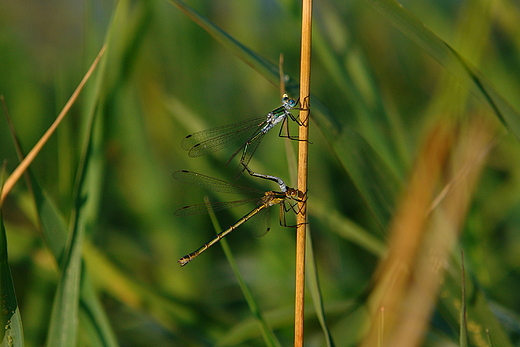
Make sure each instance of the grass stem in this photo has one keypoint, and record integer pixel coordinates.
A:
(305, 76)
(20, 169)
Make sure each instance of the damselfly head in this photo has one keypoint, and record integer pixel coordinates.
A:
(288, 102)
(296, 194)
(292, 193)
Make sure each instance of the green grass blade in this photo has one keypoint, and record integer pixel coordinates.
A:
(373, 178)
(354, 78)
(265, 67)
(509, 319)
(346, 228)
(315, 290)
(93, 316)
(54, 231)
(450, 59)
(63, 327)
(478, 310)
(267, 333)
(64, 317)
(284, 317)
(10, 319)
(463, 342)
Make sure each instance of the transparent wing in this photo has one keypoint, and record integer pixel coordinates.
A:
(199, 209)
(210, 183)
(261, 223)
(263, 218)
(211, 140)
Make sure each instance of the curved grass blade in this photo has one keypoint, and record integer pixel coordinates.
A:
(63, 327)
(375, 181)
(315, 290)
(11, 333)
(346, 228)
(18, 172)
(267, 333)
(282, 317)
(54, 230)
(265, 67)
(447, 56)
(484, 318)
(55, 234)
(463, 334)
(94, 317)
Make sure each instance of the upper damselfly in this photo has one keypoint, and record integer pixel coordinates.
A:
(249, 133)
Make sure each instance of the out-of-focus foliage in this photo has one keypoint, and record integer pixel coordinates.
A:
(105, 178)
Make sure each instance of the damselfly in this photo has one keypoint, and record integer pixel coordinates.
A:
(264, 202)
(249, 132)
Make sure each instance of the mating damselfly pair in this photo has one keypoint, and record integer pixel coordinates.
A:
(249, 133)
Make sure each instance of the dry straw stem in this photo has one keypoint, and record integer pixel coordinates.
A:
(422, 238)
(22, 167)
(305, 78)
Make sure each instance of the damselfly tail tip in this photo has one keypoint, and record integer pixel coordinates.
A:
(184, 260)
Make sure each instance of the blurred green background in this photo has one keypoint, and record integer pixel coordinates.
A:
(165, 77)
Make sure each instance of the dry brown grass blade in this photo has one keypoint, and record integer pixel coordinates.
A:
(305, 78)
(22, 167)
(424, 231)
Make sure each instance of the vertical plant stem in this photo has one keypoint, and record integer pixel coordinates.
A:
(305, 77)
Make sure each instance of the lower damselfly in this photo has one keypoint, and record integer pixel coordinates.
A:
(264, 202)
(249, 133)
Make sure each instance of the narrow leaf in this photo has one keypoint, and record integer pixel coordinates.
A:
(11, 333)
(447, 56)
(54, 231)
(315, 290)
(63, 328)
(463, 342)
(267, 333)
